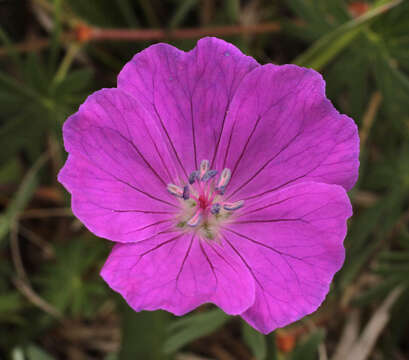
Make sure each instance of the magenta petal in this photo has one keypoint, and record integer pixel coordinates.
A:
(178, 272)
(292, 241)
(117, 170)
(282, 130)
(187, 93)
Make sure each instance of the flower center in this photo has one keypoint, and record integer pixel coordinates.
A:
(203, 206)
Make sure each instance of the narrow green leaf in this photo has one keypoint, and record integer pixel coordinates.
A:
(308, 349)
(143, 334)
(75, 81)
(193, 327)
(35, 353)
(233, 10)
(181, 13)
(55, 40)
(17, 354)
(12, 85)
(149, 12)
(272, 353)
(128, 13)
(21, 198)
(10, 48)
(327, 47)
(255, 341)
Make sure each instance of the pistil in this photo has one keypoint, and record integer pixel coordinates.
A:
(204, 195)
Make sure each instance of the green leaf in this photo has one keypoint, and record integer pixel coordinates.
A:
(149, 12)
(255, 341)
(10, 305)
(143, 334)
(193, 327)
(75, 268)
(10, 48)
(21, 198)
(55, 39)
(378, 220)
(233, 10)
(35, 353)
(327, 47)
(181, 13)
(308, 349)
(125, 7)
(272, 352)
(17, 354)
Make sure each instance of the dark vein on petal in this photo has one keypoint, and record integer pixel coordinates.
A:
(223, 258)
(140, 211)
(272, 204)
(209, 262)
(170, 140)
(269, 221)
(244, 262)
(219, 137)
(134, 147)
(145, 161)
(261, 244)
(185, 258)
(265, 165)
(147, 226)
(246, 144)
(167, 231)
(120, 180)
(228, 144)
(284, 184)
(160, 245)
(142, 192)
(193, 131)
(160, 155)
(281, 254)
(153, 249)
(131, 210)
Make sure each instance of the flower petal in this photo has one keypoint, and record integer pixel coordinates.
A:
(282, 130)
(178, 272)
(189, 94)
(292, 242)
(117, 169)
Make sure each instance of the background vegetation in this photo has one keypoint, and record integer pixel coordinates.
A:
(53, 53)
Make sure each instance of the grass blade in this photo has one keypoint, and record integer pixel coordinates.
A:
(327, 47)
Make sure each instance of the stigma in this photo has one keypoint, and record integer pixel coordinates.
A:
(202, 198)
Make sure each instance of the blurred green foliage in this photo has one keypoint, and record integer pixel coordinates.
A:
(53, 305)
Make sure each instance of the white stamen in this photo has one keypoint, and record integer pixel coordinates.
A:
(195, 220)
(175, 190)
(223, 180)
(204, 167)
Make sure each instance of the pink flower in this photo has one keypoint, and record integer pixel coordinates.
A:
(221, 181)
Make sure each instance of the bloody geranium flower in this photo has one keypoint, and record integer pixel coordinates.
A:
(221, 181)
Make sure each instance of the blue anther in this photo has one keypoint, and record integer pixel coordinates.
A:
(233, 206)
(193, 176)
(209, 174)
(215, 209)
(186, 193)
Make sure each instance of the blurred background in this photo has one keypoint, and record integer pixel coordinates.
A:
(53, 53)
